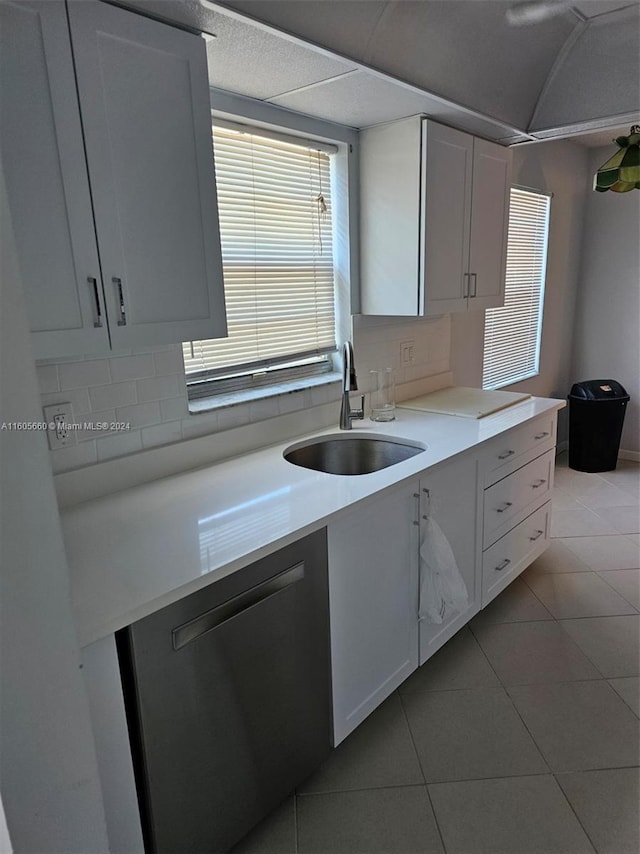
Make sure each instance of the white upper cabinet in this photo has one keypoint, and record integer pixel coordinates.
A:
(144, 112)
(434, 213)
(44, 166)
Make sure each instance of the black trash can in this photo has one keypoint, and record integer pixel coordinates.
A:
(596, 415)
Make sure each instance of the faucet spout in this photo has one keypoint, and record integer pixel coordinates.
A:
(349, 384)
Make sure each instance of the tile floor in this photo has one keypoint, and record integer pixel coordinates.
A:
(520, 736)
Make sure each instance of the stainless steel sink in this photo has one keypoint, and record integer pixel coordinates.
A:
(352, 454)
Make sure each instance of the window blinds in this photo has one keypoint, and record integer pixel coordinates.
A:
(276, 234)
(512, 332)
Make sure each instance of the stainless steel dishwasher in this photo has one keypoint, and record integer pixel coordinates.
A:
(228, 699)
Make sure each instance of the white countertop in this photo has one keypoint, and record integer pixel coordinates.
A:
(136, 551)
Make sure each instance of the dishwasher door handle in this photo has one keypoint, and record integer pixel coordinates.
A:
(190, 631)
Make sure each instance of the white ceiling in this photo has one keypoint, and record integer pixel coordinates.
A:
(359, 62)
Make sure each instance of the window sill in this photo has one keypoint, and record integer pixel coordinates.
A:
(224, 401)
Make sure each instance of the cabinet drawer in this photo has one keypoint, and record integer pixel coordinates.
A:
(509, 497)
(514, 552)
(532, 438)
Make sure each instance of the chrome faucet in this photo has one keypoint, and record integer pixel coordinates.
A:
(349, 384)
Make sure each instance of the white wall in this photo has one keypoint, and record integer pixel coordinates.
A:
(607, 326)
(49, 784)
(560, 168)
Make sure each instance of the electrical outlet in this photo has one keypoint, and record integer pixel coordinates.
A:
(60, 431)
(406, 352)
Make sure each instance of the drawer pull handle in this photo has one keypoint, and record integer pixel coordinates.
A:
(538, 483)
(537, 536)
(504, 507)
(542, 435)
(507, 454)
(505, 563)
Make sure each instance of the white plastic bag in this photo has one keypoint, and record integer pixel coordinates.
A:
(442, 588)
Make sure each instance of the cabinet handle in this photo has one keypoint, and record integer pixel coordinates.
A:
(94, 284)
(538, 483)
(475, 285)
(123, 317)
(465, 285)
(537, 536)
(505, 563)
(504, 507)
(504, 456)
(542, 435)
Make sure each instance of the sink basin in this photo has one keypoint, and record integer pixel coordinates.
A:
(341, 453)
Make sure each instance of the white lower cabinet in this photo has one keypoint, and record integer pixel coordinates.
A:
(448, 498)
(373, 603)
(377, 637)
(506, 558)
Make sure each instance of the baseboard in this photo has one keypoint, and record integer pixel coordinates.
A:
(629, 455)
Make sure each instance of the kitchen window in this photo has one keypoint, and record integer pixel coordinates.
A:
(512, 333)
(275, 211)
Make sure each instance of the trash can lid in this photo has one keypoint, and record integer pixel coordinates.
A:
(598, 390)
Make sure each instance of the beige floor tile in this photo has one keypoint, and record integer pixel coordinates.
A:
(604, 494)
(525, 653)
(578, 594)
(517, 603)
(579, 726)
(629, 689)
(378, 753)
(524, 815)
(376, 821)
(563, 500)
(579, 523)
(626, 520)
(626, 582)
(613, 552)
(465, 735)
(612, 643)
(459, 664)
(557, 558)
(606, 803)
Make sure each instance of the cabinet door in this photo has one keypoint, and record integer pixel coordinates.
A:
(489, 224)
(144, 100)
(449, 496)
(446, 210)
(44, 165)
(373, 591)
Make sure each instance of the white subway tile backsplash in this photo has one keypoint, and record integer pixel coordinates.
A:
(291, 402)
(169, 361)
(74, 457)
(47, 378)
(111, 396)
(147, 389)
(132, 367)
(77, 397)
(233, 416)
(158, 388)
(265, 408)
(95, 424)
(84, 374)
(161, 434)
(200, 425)
(140, 415)
(119, 444)
(174, 409)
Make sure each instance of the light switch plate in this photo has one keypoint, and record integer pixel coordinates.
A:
(406, 352)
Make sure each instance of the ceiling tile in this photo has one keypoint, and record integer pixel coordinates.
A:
(260, 64)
